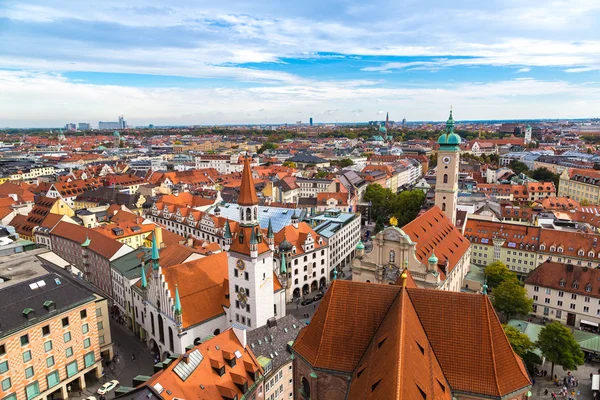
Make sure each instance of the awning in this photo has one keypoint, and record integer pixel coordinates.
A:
(595, 382)
(583, 321)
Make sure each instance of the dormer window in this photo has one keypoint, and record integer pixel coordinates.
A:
(591, 254)
(562, 282)
(588, 288)
(575, 285)
(542, 247)
(552, 248)
(580, 253)
(560, 249)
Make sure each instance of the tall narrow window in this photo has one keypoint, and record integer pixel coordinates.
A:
(392, 256)
(445, 178)
(443, 206)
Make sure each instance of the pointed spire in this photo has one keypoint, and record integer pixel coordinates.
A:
(253, 239)
(177, 302)
(247, 190)
(450, 124)
(227, 234)
(155, 255)
(283, 268)
(144, 280)
(270, 234)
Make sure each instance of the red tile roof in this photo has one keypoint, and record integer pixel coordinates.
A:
(552, 274)
(204, 382)
(247, 190)
(396, 337)
(433, 231)
(203, 287)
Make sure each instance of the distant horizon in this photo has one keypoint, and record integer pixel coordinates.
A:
(458, 122)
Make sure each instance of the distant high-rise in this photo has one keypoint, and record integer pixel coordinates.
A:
(121, 124)
(403, 121)
(310, 122)
(70, 127)
(387, 121)
(528, 134)
(84, 126)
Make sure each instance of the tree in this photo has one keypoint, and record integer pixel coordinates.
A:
(407, 205)
(177, 142)
(289, 164)
(518, 167)
(520, 342)
(266, 146)
(545, 175)
(496, 273)
(558, 344)
(345, 162)
(510, 298)
(321, 174)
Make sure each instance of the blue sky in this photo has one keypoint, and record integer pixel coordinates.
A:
(206, 62)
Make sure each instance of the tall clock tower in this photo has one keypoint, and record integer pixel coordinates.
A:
(446, 183)
(250, 262)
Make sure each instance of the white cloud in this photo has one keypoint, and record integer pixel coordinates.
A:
(521, 70)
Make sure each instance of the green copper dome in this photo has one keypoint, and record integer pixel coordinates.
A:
(449, 138)
(360, 246)
(433, 259)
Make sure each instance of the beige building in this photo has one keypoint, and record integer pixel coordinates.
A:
(50, 338)
(566, 293)
(582, 185)
(431, 247)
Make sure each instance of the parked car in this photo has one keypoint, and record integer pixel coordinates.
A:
(108, 386)
(306, 302)
(318, 296)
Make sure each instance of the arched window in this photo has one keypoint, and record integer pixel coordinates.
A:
(152, 323)
(216, 332)
(392, 256)
(443, 206)
(255, 216)
(248, 214)
(305, 388)
(445, 178)
(171, 344)
(161, 330)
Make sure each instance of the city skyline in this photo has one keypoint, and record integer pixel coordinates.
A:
(246, 63)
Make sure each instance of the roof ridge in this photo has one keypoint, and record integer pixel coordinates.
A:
(505, 338)
(401, 293)
(331, 290)
(489, 329)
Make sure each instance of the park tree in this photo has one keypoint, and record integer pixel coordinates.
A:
(266, 146)
(558, 345)
(407, 206)
(519, 341)
(545, 175)
(518, 167)
(511, 299)
(496, 273)
(345, 162)
(289, 164)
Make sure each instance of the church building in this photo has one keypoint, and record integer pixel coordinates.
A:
(433, 249)
(182, 305)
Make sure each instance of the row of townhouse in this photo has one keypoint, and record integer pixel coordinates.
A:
(522, 248)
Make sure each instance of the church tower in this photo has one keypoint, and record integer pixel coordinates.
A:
(446, 183)
(250, 262)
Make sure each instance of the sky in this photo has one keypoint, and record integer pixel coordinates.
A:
(183, 62)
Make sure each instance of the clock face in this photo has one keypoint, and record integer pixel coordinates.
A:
(446, 160)
(240, 264)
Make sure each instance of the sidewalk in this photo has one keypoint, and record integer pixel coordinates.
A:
(583, 390)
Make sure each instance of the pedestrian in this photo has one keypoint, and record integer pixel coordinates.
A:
(132, 357)
(314, 307)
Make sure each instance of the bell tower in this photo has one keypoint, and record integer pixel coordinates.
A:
(446, 183)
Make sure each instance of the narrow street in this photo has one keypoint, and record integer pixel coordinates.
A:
(124, 369)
